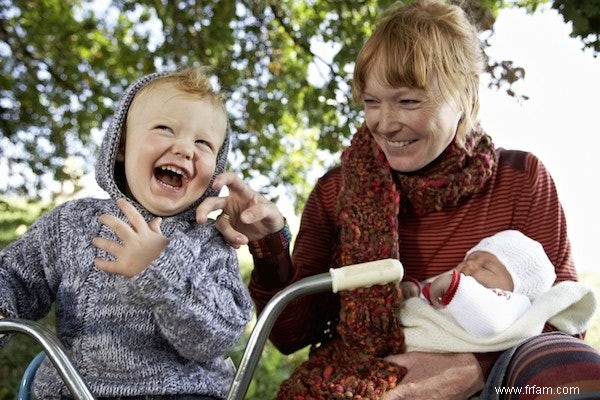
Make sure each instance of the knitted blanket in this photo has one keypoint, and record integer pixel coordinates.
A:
(568, 306)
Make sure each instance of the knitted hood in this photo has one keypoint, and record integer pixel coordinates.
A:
(106, 170)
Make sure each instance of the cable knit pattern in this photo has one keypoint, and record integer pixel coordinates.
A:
(164, 331)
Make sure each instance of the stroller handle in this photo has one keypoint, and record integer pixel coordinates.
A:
(349, 277)
(366, 274)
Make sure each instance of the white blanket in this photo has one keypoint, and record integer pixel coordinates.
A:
(568, 306)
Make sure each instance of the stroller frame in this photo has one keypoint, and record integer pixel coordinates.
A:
(344, 278)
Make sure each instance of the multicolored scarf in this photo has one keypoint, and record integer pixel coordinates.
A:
(371, 199)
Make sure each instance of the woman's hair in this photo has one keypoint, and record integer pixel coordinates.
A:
(428, 45)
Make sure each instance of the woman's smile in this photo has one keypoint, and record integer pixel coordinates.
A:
(397, 143)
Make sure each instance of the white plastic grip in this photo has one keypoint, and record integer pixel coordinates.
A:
(366, 274)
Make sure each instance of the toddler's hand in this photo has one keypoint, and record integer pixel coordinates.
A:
(139, 243)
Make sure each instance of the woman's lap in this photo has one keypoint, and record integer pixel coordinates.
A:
(551, 365)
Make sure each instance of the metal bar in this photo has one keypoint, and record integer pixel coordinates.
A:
(28, 376)
(264, 323)
(54, 350)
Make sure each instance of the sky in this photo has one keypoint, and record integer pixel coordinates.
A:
(560, 121)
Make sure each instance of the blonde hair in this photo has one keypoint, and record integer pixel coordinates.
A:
(194, 81)
(428, 45)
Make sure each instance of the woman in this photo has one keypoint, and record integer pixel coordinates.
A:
(421, 182)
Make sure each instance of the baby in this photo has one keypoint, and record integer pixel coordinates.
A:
(493, 286)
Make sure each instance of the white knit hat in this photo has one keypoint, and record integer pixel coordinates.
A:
(524, 258)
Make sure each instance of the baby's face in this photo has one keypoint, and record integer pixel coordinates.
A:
(486, 269)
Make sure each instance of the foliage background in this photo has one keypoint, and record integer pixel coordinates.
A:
(272, 368)
(63, 64)
(284, 66)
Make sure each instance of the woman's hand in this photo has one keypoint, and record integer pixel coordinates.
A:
(432, 376)
(247, 215)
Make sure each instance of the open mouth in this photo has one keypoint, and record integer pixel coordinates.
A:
(170, 176)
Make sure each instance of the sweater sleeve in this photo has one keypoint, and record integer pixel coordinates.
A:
(273, 266)
(196, 292)
(28, 277)
(539, 215)
(306, 320)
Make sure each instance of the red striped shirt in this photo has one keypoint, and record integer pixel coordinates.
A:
(521, 195)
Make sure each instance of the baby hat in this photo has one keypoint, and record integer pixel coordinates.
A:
(531, 270)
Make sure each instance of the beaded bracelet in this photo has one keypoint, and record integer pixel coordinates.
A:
(451, 291)
(272, 244)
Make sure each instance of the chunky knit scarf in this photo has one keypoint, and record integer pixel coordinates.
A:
(371, 199)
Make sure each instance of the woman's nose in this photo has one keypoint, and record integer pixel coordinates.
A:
(389, 119)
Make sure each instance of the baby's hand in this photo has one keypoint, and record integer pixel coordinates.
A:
(140, 242)
(439, 287)
(410, 289)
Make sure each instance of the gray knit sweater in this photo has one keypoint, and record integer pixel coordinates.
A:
(164, 331)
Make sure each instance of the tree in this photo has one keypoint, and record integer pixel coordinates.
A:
(585, 18)
(284, 65)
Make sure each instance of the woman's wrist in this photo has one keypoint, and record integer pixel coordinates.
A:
(271, 245)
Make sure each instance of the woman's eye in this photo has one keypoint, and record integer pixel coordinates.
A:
(409, 101)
